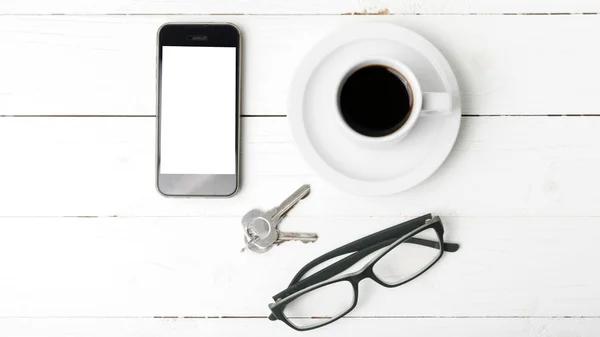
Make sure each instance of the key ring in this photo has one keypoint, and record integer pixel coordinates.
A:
(251, 240)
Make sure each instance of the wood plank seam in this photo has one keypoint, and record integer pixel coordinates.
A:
(295, 14)
(283, 116)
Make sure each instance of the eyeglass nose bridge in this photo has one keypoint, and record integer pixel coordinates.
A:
(364, 273)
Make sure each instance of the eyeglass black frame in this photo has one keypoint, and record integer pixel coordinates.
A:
(392, 237)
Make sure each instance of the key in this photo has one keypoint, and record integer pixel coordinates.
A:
(261, 246)
(264, 224)
(294, 236)
(291, 201)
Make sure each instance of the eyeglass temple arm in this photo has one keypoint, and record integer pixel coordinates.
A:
(332, 269)
(363, 243)
(393, 232)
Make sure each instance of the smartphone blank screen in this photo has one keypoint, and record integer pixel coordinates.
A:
(198, 110)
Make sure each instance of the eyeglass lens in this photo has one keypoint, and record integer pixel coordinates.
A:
(407, 260)
(321, 305)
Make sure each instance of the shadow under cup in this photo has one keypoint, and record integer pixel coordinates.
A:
(375, 100)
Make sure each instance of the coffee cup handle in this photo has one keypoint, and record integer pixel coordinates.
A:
(435, 103)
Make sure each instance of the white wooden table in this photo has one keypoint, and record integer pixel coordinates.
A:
(89, 248)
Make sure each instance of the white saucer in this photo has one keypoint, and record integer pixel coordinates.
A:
(349, 166)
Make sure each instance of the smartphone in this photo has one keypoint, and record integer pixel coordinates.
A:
(198, 110)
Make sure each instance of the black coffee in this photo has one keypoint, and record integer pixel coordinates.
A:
(375, 101)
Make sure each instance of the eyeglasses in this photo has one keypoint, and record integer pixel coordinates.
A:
(326, 296)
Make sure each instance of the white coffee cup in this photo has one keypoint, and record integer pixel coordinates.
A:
(423, 103)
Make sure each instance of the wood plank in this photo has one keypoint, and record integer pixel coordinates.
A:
(99, 65)
(143, 327)
(188, 266)
(500, 166)
(295, 7)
